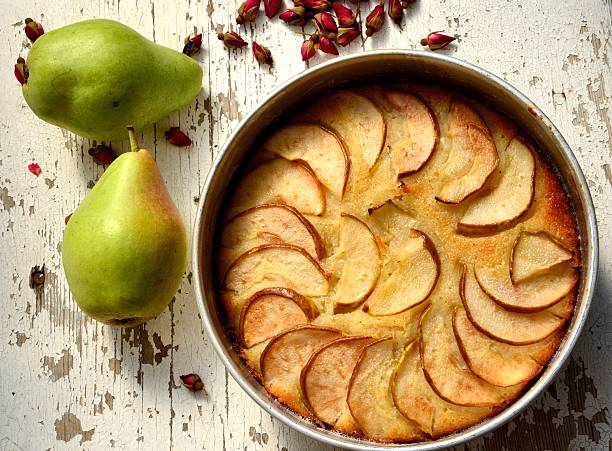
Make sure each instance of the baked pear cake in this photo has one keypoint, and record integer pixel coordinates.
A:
(397, 263)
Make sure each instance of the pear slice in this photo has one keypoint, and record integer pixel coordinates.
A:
(318, 147)
(511, 197)
(446, 370)
(530, 296)
(280, 265)
(325, 382)
(473, 155)
(412, 133)
(393, 223)
(361, 262)
(416, 400)
(506, 326)
(267, 224)
(369, 397)
(285, 356)
(355, 119)
(535, 253)
(499, 363)
(283, 182)
(409, 278)
(274, 263)
(271, 310)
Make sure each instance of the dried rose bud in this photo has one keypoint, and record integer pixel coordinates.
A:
(347, 35)
(327, 46)
(33, 29)
(262, 54)
(248, 11)
(193, 382)
(34, 168)
(316, 5)
(375, 20)
(177, 137)
(294, 16)
(232, 40)
(21, 71)
(102, 154)
(326, 22)
(309, 49)
(37, 276)
(271, 7)
(396, 11)
(407, 3)
(345, 15)
(436, 40)
(298, 2)
(192, 44)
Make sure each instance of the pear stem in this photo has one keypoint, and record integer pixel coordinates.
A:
(133, 143)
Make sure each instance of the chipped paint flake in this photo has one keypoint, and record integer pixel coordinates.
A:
(8, 202)
(114, 365)
(69, 426)
(20, 338)
(58, 367)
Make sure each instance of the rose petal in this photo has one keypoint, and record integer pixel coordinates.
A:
(102, 154)
(177, 137)
(35, 169)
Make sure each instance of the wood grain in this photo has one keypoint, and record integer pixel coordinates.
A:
(67, 382)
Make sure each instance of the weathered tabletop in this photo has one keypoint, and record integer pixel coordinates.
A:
(67, 382)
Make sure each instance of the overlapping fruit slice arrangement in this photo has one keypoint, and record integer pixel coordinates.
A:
(397, 262)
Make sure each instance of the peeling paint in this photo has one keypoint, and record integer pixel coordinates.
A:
(108, 399)
(563, 413)
(255, 436)
(596, 43)
(597, 93)
(559, 98)
(228, 106)
(607, 172)
(69, 426)
(21, 339)
(571, 59)
(163, 349)
(534, 80)
(60, 368)
(138, 337)
(115, 365)
(8, 202)
(581, 117)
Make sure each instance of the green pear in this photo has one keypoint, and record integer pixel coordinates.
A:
(125, 246)
(98, 76)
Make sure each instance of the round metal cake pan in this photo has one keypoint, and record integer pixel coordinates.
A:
(384, 66)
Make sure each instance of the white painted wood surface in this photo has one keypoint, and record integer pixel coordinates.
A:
(67, 382)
